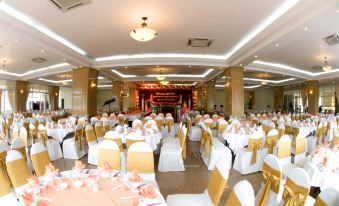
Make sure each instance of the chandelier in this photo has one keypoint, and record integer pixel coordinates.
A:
(164, 82)
(326, 67)
(264, 81)
(160, 77)
(143, 33)
(3, 67)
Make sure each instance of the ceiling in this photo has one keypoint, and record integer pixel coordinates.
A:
(97, 35)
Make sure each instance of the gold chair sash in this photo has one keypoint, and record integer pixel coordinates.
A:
(189, 125)
(216, 186)
(142, 161)
(99, 131)
(256, 122)
(318, 134)
(105, 128)
(77, 137)
(210, 125)
(288, 129)
(264, 128)
(34, 134)
(281, 133)
(182, 141)
(271, 178)
(90, 136)
(203, 137)
(4, 178)
(4, 127)
(335, 142)
(320, 202)
(233, 200)
(254, 145)
(40, 160)
(324, 133)
(26, 126)
(294, 195)
(160, 123)
(18, 172)
(270, 142)
(300, 146)
(169, 123)
(284, 150)
(295, 132)
(112, 157)
(129, 142)
(22, 150)
(43, 136)
(208, 144)
(268, 129)
(222, 127)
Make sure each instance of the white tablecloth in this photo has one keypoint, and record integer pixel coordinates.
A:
(58, 133)
(306, 130)
(237, 141)
(151, 139)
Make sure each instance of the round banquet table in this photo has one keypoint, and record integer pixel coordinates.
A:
(306, 130)
(105, 190)
(322, 178)
(58, 133)
(237, 141)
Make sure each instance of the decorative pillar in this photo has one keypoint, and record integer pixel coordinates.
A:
(116, 95)
(234, 91)
(137, 106)
(303, 94)
(56, 97)
(204, 103)
(121, 98)
(21, 95)
(278, 97)
(84, 95)
(313, 96)
(210, 96)
(251, 96)
(194, 99)
(0, 100)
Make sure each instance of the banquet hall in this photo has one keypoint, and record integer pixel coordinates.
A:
(178, 103)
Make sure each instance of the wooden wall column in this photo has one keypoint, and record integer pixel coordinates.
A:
(210, 96)
(21, 95)
(278, 97)
(313, 96)
(56, 92)
(251, 96)
(85, 81)
(234, 91)
(116, 95)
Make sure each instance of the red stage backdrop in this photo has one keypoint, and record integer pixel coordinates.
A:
(159, 97)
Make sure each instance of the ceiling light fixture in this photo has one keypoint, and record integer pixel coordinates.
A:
(4, 67)
(264, 81)
(143, 33)
(326, 67)
(164, 82)
(160, 77)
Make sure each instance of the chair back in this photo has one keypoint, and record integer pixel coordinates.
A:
(182, 140)
(40, 158)
(99, 129)
(132, 138)
(90, 134)
(42, 134)
(241, 195)
(114, 136)
(300, 145)
(4, 178)
(17, 169)
(33, 132)
(284, 147)
(137, 124)
(328, 197)
(271, 140)
(19, 145)
(109, 152)
(23, 135)
(105, 126)
(254, 144)
(15, 132)
(140, 157)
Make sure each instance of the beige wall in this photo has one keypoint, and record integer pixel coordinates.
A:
(219, 97)
(102, 96)
(66, 94)
(264, 97)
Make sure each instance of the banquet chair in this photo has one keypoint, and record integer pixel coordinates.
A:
(73, 147)
(7, 197)
(281, 130)
(169, 127)
(299, 151)
(283, 152)
(132, 138)
(172, 156)
(105, 126)
(328, 197)
(42, 121)
(215, 150)
(99, 131)
(114, 136)
(250, 159)
(52, 145)
(270, 142)
(40, 158)
(242, 195)
(19, 145)
(269, 127)
(270, 190)
(296, 188)
(160, 120)
(206, 116)
(215, 188)
(312, 141)
(15, 132)
(174, 140)
(92, 157)
(17, 169)
(33, 132)
(194, 132)
(221, 127)
(137, 124)
(209, 123)
(24, 136)
(121, 119)
(198, 118)
(109, 152)
(324, 132)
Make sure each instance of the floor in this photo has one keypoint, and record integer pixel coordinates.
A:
(193, 181)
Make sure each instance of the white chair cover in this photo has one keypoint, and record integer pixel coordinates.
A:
(71, 146)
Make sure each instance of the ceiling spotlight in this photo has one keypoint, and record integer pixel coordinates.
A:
(326, 67)
(64, 59)
(42, 50)
(164, 82)
(277, 45)
(143, 33)
(189, 66)
(160, 77)
(305, 29)
(255, 56)
(16, 40)
(240, 65)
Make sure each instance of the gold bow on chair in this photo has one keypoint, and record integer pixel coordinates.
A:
(288, 129)
(189, 125)
(208, 144)
(182, 141)
(281, 132)
(159, 122)
(221, 128)
(270, 143)
(43, 136)
(210, 125)
(320, 202)
(169, 123)
(271, 178)
(3, 170)
(77, 137)
(254, 145)
(324, 133)
(294, 195)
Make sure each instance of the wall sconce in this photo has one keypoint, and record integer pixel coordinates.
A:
(21, 91)
(93, 84)
(310, 92)
(227, 84)
(56, 94)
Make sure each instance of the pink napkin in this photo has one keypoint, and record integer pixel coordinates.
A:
(2, 135)
(26, 198)
(325, 160)
(147, 191)
(33, 181)
(51, 170)
(79, 165)
(107, 167)
(134, 176)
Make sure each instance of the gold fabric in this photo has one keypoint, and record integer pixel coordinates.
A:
(112, 157)
(77, 137)
(18, 172)
(300, 146)
(233, 200)
(208, 144)
(99, 131)
(182, 141)
(295, 132)
(271, 178)
(160, 123)
(318, 134)
(284, 150)
(216, 186)
(5, 183)
(24, 137)
(189, 125)
(288, 129)
(22, 150)
(142, 161)
(90, 135)
(15, 134)
(121, 120)
(335, 142)
(210, 125)
(294, 195)
(40, 160)
(222, 127)
(169, 123)
(324, 133)
(129, 142)
(105, 128)
(34, 134)
(320, 202)
(268, 129)
(255, 122)
(281, 133)
(26, 125)
(203, 138)
(254, 145)
(270, 142)
(118, 141)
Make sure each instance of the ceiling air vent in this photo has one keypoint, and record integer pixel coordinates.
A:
(199, 42)
(66, 5)
(39, 60)
(332, 39)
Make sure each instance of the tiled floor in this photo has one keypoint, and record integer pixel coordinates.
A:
(194, 180)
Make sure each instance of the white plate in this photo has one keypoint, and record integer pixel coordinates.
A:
(90, 182)
(61, 186)
(78, 183)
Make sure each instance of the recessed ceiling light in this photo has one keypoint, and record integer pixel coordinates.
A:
(305, 29)
(337, 11)
(189, 66)
(157, 66)
(16, 40)
(126, 67)
(64, 59)
(276, 44)
(255, 56)
(42, 50)
(240, 65)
